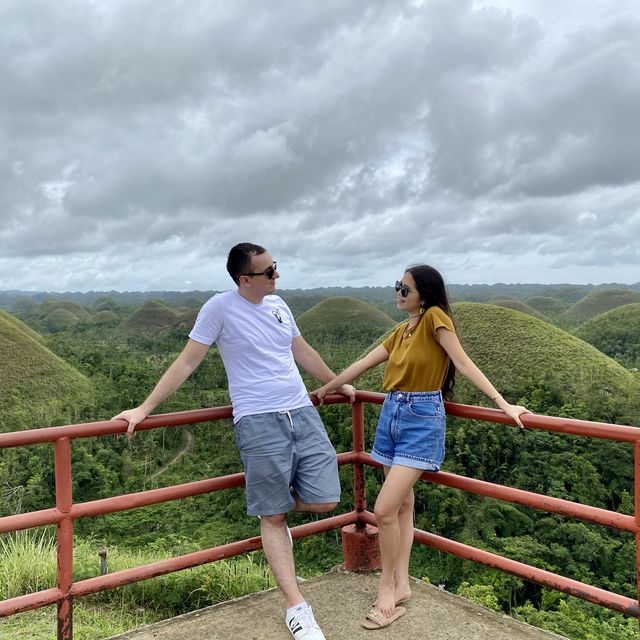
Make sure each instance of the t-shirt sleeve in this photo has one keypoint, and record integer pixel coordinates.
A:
(438, 318)
(390, 340)
(208, 325)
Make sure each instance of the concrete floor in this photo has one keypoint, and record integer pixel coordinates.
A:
(340, 601)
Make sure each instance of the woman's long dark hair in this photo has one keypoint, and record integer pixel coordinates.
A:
(433, 293)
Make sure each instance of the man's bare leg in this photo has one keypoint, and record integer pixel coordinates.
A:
(312, 507)
(277, 548)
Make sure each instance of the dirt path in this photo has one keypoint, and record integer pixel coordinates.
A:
(188, 443)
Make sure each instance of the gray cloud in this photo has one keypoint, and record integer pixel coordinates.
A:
(140, 140)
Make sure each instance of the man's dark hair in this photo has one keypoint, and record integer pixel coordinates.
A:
(239, 260)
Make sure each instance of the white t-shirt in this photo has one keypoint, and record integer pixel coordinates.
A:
(254, 341)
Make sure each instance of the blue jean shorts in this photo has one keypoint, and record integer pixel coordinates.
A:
(286, 449)
(411, 430)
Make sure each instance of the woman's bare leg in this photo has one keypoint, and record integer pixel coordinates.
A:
(406, 522)
(392, 536)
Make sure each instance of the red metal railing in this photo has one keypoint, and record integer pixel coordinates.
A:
(65, 511)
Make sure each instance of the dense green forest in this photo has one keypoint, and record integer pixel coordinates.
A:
(82, 357)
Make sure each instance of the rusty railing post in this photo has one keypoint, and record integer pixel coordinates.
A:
(64, 536)
(359, 496)
(360, 551)
(636, 510)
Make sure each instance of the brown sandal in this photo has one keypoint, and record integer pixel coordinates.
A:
(375, 619)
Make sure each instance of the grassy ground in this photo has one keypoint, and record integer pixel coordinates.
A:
(27, 564)
(91, 621)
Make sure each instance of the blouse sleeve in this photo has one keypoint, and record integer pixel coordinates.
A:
(438, 318)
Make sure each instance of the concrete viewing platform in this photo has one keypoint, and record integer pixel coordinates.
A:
(340, 601)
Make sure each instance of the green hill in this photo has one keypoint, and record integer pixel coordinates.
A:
(59, 320)
(520, 353)
(524, 356)
(569, 294)
(340, 327)
(152, 315)
(301, 303)
(518, 305)
(36, 386)
(106, 303)
(24, 306)
(186, 318)
(344, 313)
(547, 306)
(20, 325)
(596, 303)
(54, 304)
(105, 317)
(616, 333)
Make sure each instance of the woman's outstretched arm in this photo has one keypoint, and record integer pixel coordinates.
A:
(467, 367)
(372, 359)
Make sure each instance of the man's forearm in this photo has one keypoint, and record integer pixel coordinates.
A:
(316, 366)
(184, 365)
(170, 382)
(310, 360)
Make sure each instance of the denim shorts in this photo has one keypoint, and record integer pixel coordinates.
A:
(411, 430)
(286, 449)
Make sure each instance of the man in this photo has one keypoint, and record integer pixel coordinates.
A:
(288, 460)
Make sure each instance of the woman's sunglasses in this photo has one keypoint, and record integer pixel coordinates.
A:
(402, 289)
(269, 271)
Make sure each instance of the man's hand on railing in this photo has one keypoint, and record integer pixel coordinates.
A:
(133, 417)
(321, 392)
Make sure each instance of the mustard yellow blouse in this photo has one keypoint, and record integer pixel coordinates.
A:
(417, 362)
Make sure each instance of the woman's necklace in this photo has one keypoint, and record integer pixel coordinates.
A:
(411, 326)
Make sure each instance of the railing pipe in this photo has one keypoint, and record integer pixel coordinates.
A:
(109, 427)
(65, 511)
(30, 601)
(540, 576)
(526, 498)
(573, 426)
(114, 504)
(162, 567)
(64, 536)
(30, 520)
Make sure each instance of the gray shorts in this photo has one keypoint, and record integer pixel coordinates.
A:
(286, 449)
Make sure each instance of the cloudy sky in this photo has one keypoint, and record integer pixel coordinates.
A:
(139, 139)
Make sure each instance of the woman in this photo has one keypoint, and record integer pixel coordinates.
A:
(423, 354)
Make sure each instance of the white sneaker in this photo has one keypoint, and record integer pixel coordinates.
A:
(303, 625)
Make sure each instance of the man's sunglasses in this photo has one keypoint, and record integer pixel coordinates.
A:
(269, 271)
(402, 289)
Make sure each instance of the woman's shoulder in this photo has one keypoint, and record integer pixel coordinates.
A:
(438, 317)
(436, 311)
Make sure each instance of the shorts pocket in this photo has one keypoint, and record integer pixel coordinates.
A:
(240, 434)
(427, 410)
